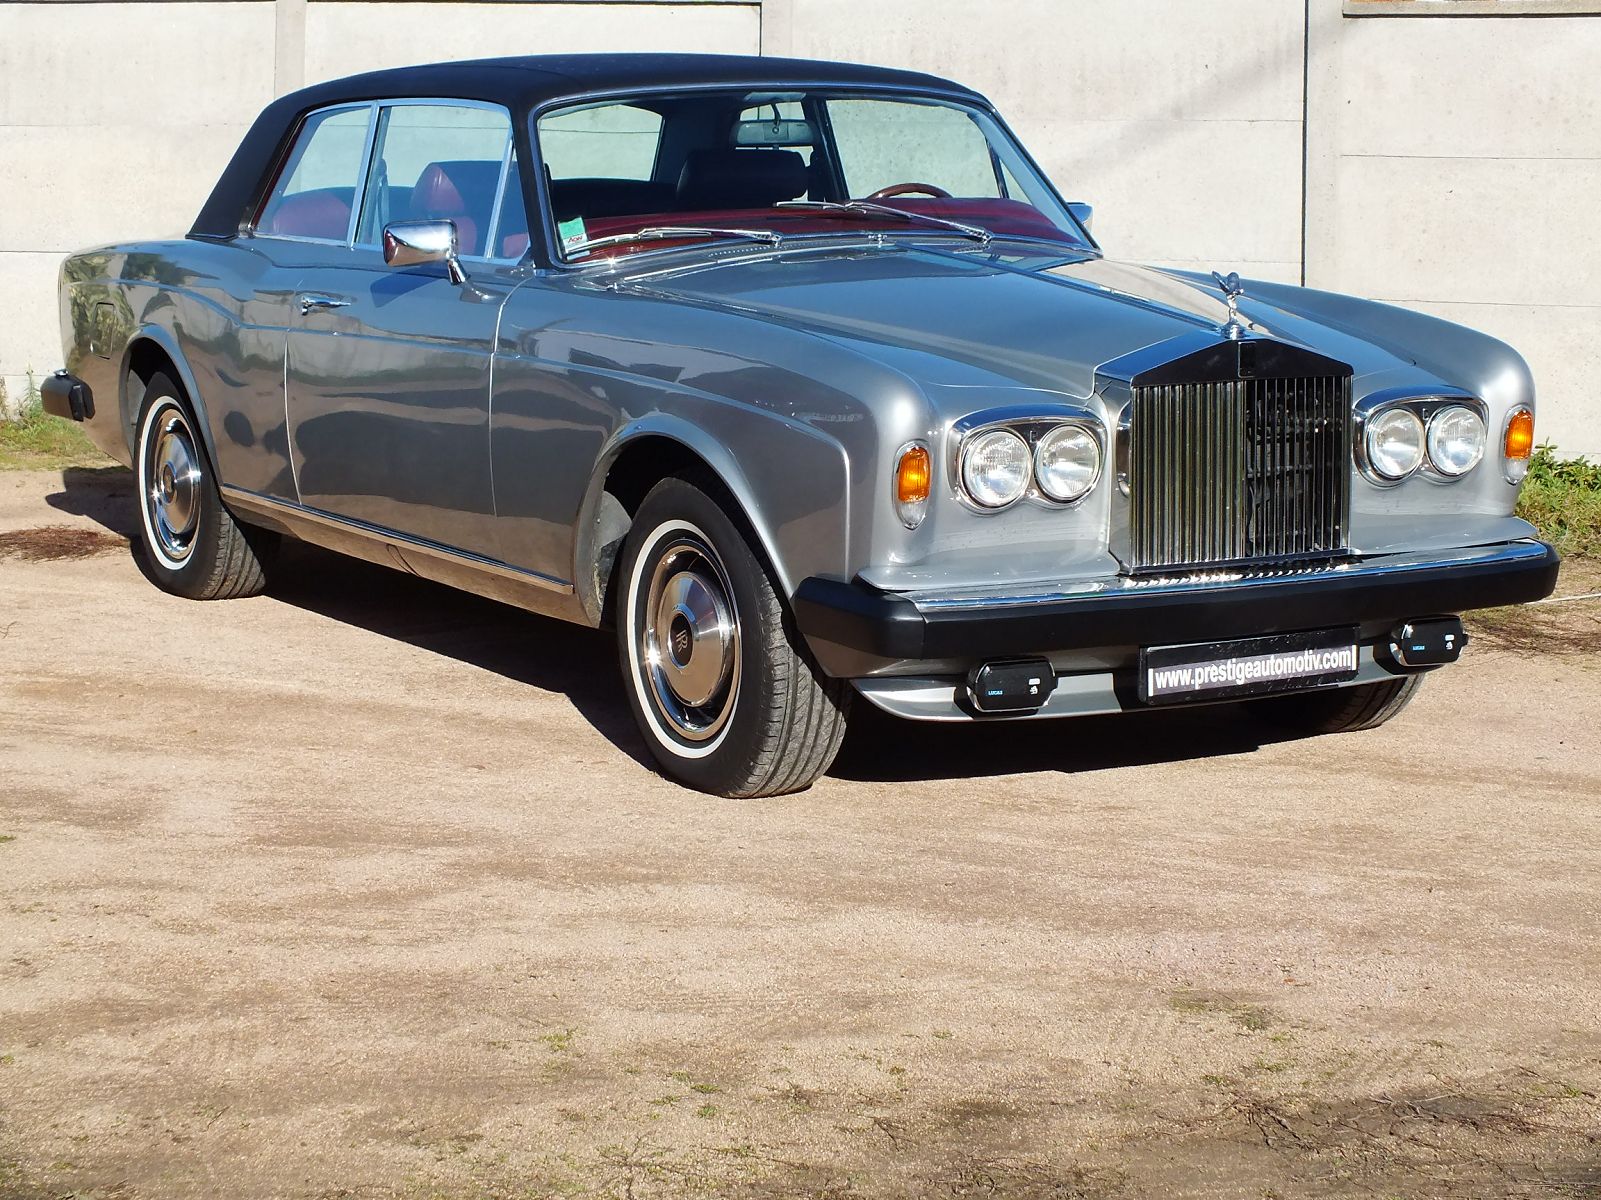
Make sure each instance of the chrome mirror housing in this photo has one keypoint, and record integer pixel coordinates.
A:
(412, 243)
(1083, 213)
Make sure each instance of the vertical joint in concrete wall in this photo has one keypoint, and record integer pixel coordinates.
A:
(777, 36)
(1306, 97)
(289, 46)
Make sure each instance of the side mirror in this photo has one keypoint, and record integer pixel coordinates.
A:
(1083, 213)
(411, 243)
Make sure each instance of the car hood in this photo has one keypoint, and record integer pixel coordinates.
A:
(975, 318)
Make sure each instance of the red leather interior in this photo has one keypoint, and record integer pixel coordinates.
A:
(324, 213)
(996, 215)
(460, 191)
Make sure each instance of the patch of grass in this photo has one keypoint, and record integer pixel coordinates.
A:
(7, 837)
(36, 441)
(559, 1043)
(706, 1111)
(705, 1089)
(1562, 499)
(1253, 1018)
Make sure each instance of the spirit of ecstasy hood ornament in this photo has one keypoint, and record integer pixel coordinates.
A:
(1233, 289)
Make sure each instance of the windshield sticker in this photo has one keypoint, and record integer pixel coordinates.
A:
(571, 232)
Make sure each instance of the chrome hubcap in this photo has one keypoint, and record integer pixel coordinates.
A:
(172, 496)
(689, 636)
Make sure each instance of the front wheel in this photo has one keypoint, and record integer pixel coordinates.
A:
(1338, 710)
(723, 690)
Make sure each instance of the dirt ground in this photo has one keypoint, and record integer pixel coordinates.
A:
(362, 889)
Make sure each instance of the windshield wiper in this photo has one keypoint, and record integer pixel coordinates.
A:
(656, 233)
(866, 208)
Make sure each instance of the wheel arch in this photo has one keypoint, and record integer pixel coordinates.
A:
(653, 448)
(150, 350)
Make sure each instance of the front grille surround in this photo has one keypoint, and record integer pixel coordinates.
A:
(1226, 472)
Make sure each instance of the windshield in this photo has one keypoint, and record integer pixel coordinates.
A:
(663, 169)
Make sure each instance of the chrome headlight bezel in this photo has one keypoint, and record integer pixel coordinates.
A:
(1003, 440)
(1031, 426)
(1422, 408)
(1397, 416)
(1043, 444)
(1432, 432)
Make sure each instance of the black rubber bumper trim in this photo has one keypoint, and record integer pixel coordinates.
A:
(64, 395)
(890, 626)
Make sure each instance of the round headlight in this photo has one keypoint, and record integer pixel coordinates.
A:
(1066, 462)
(1395, 443)
(1456, 440)
(995, 468)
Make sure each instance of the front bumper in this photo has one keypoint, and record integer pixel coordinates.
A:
(848, 624)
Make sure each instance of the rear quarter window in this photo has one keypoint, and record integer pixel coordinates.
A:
(316, 190)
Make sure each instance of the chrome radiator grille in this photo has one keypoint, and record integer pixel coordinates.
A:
(1239, 471)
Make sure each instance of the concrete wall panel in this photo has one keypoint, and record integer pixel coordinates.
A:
(144, 64)
(1467, 230)
(30, 331)
(115, 120)
(87, 185)
(1471, 88)
(344, 38)
(1453, 166)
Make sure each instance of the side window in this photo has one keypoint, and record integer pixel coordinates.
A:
(511, 234)
(435, 162)
(882, 143)
(609, 141)
(317, 186)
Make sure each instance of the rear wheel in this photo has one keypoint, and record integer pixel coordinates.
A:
(1338, 710)
(193, 545)
(723, 690)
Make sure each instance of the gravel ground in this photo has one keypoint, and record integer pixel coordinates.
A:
(363, 889)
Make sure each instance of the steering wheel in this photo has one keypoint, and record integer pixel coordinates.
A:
(909, 189)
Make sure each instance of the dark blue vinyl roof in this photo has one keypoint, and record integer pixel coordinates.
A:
(521, 84)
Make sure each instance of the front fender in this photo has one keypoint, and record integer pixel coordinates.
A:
(789, 480)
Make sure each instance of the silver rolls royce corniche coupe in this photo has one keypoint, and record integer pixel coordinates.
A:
(804, 378)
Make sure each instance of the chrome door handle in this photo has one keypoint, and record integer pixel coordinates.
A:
(313, 301)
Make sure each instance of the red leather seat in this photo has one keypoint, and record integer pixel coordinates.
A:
(324, 213)
(462, 191)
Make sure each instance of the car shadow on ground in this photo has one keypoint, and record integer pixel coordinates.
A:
(926, 751)
(103, 494)
(581, 664)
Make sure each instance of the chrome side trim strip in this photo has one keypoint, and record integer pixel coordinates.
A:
(271, 506)
(1374, 567)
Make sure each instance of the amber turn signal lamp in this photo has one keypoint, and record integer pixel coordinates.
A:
(1519, 444)
(914, 476)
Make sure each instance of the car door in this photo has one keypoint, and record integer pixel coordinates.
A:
(388, 370)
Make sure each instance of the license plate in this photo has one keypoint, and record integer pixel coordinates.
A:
(1247, 666)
